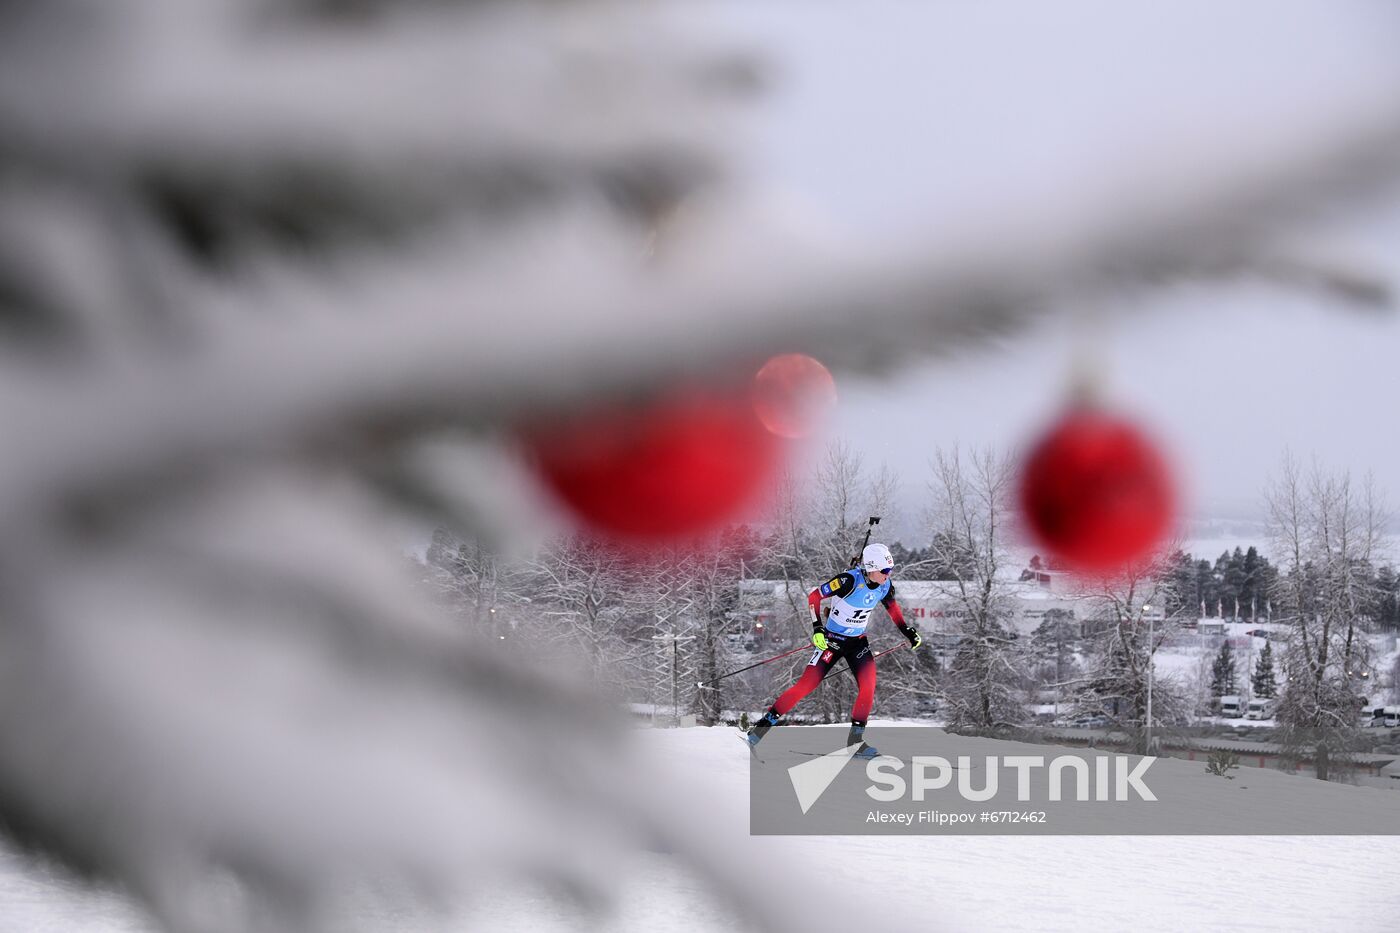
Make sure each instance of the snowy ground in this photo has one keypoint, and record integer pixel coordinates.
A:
(36, 900)
(1069, 883)
(927, 883)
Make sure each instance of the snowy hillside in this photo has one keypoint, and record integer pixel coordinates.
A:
(1313, 883)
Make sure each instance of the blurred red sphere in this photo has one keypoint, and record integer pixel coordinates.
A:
(678, 466)
(791, 394)
(1096, 493)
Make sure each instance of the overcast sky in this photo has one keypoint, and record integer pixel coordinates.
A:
(863, 123)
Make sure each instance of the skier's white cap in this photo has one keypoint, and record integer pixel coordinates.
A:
(876, 557)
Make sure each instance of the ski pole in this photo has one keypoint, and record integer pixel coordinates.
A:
(876, 655)
(888, 650)
(705, 684)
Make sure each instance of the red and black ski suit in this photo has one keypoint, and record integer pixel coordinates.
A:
(854, 648)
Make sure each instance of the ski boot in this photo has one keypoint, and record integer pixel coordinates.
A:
(759, 729)
(857, 737)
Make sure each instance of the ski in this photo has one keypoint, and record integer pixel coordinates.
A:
(753, 749)
(856, 756)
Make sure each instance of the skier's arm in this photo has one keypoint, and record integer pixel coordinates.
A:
(897, 617)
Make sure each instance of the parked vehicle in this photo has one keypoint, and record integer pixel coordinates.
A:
(1371, 717)
(1390, 717)
(1232, 707)
(1261, 709)
(741, 643)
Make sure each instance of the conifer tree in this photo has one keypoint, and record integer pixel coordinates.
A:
(1263, 682)
(1223, 682)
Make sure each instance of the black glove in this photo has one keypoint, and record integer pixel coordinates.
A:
(915, 639)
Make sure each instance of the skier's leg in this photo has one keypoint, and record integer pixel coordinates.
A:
(817, 668)
(863, 670)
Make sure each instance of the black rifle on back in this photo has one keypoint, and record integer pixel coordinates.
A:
(870, 526)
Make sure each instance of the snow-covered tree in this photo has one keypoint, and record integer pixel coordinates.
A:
(981, 690)
(1053, 644)
(843, 498)
(1124, 646)
(584, 602)
(721, 616)
(1328, 534)
(259, 264)
(468, 575)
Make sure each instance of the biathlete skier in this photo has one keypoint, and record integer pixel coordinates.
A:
(842, 635)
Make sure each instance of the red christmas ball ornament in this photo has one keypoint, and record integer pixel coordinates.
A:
(1096, 493)
(678, 466)
(791, 394)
